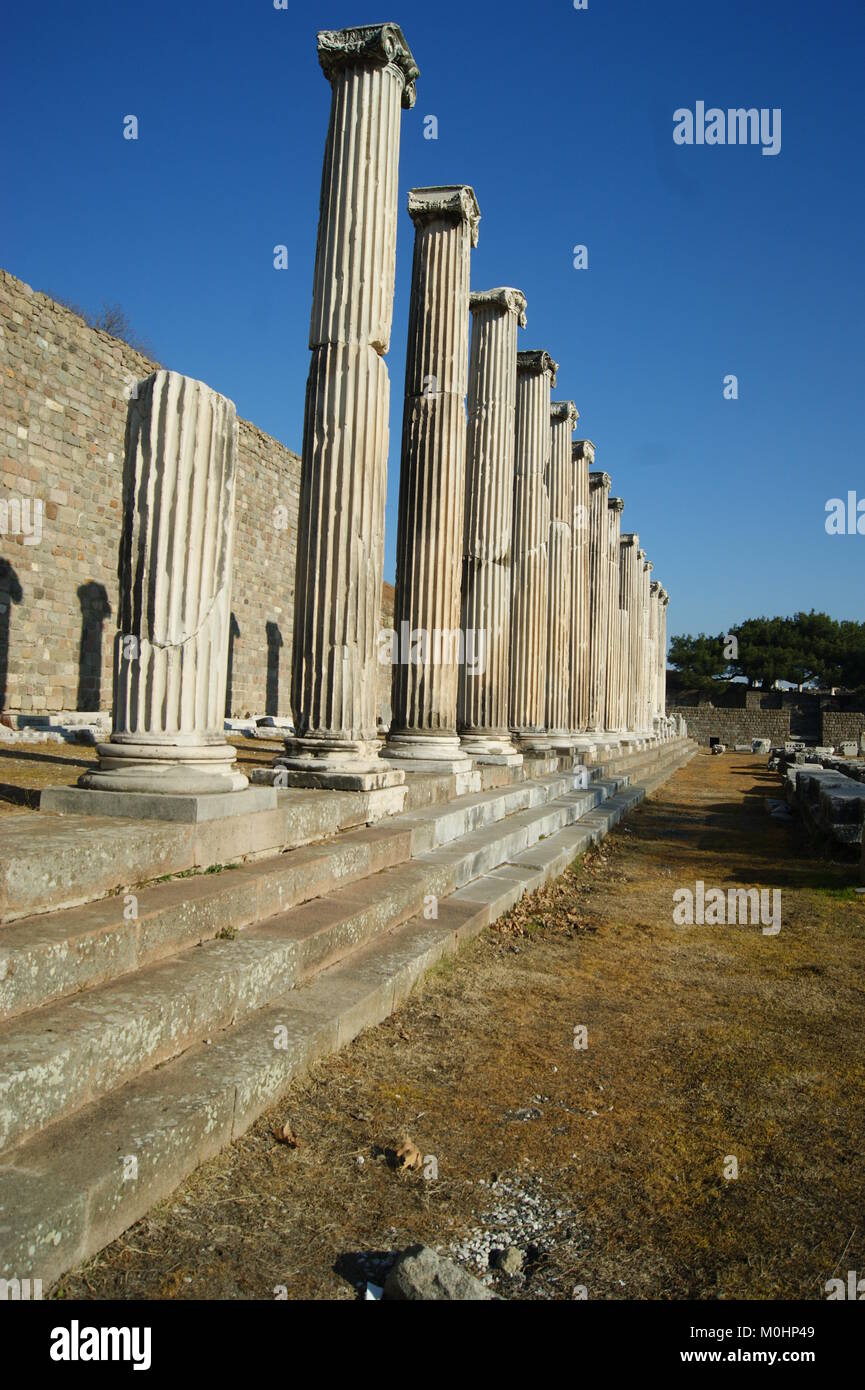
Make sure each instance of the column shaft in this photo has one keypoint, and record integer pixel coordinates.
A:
(432, 483)
(536, 373)
(612, 702)
(563, 419)
(171, 651)
(583, 456)
(345, 436)
(599, 590)
(482, 701)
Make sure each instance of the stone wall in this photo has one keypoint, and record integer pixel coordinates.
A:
(64, 390)
(830, 727)
(733, 726)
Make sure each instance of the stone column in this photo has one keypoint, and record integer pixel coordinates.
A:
(423, 731)
(171, 651)
(654, 629)
(612, 700)
(536, 374)
(345, 432)
(582, 456)
(482, 697)
(599, 594)
(645, 571)
(663, 600)
(563, 420)
(630, 599)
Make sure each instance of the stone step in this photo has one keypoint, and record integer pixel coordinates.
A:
(57, 1058)
(67, 1191)
(49, 956)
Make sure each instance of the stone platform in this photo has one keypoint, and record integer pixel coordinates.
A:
(119, 1042)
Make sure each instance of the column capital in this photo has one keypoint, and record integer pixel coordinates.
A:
(514, 301)
(630, 538)
(582, 449)
(616, 504)
(537, 361)
(655, 588)
(372, 45)
(648, 566)
(564, 410)
(663, 596)
(597, 480)
(456, 201)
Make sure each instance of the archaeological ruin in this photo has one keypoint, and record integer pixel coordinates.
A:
(412, 772)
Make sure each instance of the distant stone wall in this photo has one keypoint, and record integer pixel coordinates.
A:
(64, 390)
(831, 727)
(841, 725)
(734, 725)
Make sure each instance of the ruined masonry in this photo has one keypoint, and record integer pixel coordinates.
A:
(141, 987)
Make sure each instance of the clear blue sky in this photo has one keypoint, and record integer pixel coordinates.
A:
(703, 261)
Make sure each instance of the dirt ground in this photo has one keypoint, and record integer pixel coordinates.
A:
(608, 1166)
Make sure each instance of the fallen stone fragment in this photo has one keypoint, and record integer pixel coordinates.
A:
(420, 1275)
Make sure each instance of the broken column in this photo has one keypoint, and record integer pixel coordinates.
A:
(582, 457)
(482, 698)
(423, 731)
(563, 420)
(536, 374)
(345, 433)
(171, 650)
(612, 700)
(599, 595)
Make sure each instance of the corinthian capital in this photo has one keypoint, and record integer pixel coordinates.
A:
(536, 360)
(512, 300)
(456, 201)
(376, 45)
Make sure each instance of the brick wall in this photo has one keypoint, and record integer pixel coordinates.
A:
(64, 389)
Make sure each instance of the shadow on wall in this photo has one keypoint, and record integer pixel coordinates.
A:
(233, 633)
(274, 642)
(10, 592)
(95, 608)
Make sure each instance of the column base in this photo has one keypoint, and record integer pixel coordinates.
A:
(180, 765)
(533, 743)
(334, 764)
(493, 750)
(426, 753)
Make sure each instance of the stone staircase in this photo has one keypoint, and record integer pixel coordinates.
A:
(143, 1028)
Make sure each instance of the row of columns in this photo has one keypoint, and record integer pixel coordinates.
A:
(531, 623)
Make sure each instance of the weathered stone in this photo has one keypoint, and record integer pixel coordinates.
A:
(483, 695)
(423, 732)
(536, 373)
(345, 436)
(175, 602)
(563, 420)
(421, 1275)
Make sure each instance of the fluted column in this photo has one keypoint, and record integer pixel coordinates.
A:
(630, 600)
(582, 457)
(563, 420)
(423, 732)
(663, 600)
(345, 433)
(612, 700)
(482, 697)
(644, 572)
(599, 594)
(654, 638)
(171, 650)
(536, 374)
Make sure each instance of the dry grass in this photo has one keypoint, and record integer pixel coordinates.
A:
(703, 1042)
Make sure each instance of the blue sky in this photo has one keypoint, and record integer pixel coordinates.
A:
(703, 261)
